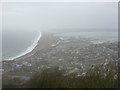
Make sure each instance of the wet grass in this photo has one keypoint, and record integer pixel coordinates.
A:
(99, 77)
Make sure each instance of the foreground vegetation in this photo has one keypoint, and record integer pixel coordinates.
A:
(97, 77)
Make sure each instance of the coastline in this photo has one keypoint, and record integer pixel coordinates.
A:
(29, 48)
(44, 42)
(69, 56)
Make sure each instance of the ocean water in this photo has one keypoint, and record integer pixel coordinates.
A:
(18, 43)
(96, 36)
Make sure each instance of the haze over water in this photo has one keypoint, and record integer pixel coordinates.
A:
(21, 22)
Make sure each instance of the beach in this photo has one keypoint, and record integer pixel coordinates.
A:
(44, 42)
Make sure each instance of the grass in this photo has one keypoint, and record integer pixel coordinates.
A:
(99, 77)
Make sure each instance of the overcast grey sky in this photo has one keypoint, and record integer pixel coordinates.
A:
(48, 16)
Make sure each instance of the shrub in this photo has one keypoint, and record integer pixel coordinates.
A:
(57, 79)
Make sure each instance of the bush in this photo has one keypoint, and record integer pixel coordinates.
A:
(57, 79)
(99, 77)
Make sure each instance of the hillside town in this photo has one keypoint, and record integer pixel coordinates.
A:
(72, 55)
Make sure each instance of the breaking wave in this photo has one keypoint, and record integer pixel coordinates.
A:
(30, 48)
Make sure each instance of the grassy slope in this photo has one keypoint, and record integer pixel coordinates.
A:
(99, 77)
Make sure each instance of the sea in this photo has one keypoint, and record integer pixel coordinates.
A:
(18, 43)
(94, 36)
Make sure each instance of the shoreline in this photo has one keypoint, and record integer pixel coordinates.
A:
(44, 42)
(65, 56)
(28, 49)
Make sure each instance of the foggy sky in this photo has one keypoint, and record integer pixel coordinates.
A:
(56, 16)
